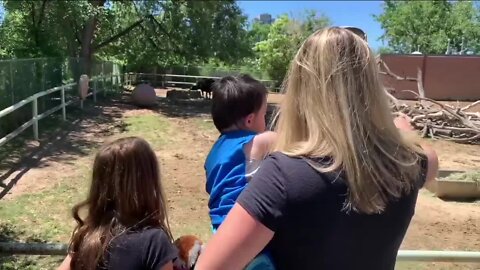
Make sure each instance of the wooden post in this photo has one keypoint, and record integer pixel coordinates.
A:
(35, 119)
(155, 77)
(11, 82)
(104, 79)
(119, 85)
(64, 110)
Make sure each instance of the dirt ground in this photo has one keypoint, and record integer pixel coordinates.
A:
(437, 224)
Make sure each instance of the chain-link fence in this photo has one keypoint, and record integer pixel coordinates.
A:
(21, 78)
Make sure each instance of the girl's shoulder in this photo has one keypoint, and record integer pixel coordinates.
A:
(152, 246)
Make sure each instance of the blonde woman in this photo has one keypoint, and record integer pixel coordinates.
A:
(340, 190)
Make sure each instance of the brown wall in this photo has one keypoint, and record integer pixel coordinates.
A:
(445, 77)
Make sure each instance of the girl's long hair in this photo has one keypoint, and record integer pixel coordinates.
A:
(335, 106)
(125, 194)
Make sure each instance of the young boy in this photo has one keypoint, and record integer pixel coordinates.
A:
(239, 106)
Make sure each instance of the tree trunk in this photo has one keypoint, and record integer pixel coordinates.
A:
(88, 33)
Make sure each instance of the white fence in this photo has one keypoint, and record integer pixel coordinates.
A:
(10, 248)
(63, 105)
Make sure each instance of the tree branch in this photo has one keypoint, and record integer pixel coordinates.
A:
(117, 36)
(390, 73)
(159, 25)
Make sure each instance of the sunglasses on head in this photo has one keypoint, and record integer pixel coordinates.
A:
(359, 32)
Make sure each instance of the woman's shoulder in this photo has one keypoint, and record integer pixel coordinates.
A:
(294, 167)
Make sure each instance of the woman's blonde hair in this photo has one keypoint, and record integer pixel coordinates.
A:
(335, 106)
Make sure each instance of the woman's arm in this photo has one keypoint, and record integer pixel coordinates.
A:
(239, 239)
(432, 164)
(65, 264)
(402, 122)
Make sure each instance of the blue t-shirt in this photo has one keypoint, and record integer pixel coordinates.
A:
(225, 168)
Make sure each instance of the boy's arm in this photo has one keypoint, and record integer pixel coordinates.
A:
(262, 145)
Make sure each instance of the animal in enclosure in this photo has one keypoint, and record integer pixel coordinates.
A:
(144, 95)
(205, 86)
(189, 249)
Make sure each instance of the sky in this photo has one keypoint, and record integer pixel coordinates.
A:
(341, 13)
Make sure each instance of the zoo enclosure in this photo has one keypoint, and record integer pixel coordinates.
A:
(174, 80)
(157, 75)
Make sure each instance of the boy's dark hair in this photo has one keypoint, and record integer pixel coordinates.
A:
(234, 98)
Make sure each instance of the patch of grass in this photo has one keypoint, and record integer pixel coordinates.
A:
(44, 216)
(41, 217)
(473, 176)
(30, 262)
(205, 124)
(153, 128)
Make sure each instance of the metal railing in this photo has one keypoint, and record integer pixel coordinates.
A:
(34, 100)
(9, 248)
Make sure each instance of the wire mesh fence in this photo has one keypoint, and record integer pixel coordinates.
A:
(21, 78)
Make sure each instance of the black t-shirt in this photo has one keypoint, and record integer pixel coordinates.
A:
(304, 209)
(148, 249)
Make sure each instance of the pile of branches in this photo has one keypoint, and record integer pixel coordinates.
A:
(433, 118)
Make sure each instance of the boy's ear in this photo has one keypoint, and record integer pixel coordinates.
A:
(248, 120)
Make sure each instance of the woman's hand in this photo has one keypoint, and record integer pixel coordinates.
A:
(238, 240)
(403, 122)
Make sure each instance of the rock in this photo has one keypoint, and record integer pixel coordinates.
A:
(144, 95)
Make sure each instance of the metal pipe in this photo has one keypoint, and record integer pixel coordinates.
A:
(403, 255)
(32, 248)
(438, 256)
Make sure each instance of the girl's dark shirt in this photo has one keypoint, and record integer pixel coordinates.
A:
(147, 249)
(312, 231)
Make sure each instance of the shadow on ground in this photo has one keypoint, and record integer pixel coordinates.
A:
(66, 142)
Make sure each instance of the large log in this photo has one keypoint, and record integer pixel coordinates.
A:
(433, 118)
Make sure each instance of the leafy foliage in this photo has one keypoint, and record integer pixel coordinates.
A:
(138, 33)
(428, 25)
(283, 40)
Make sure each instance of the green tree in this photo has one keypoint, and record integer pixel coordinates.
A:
(149, 32)
(258, 32)
(429, 25)
(283, 40)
